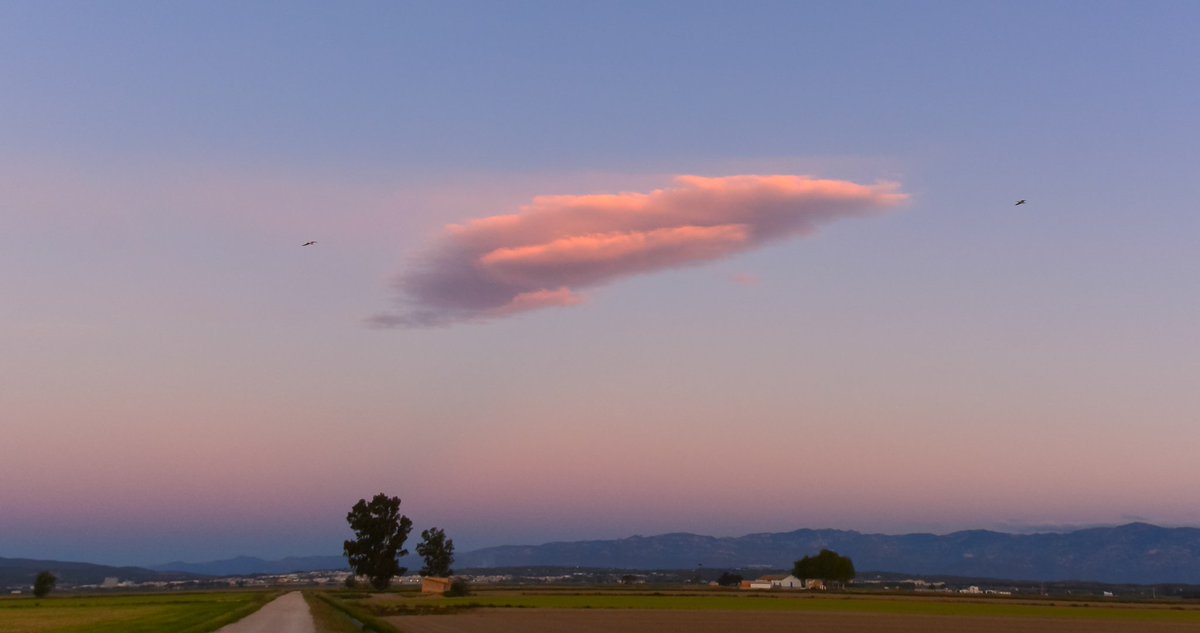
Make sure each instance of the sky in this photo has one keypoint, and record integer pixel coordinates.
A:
(590, 270)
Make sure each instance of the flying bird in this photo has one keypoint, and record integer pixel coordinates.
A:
(314, 241)
(1019, 202)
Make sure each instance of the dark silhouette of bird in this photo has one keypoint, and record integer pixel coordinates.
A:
(1019, 202)
(314, 241)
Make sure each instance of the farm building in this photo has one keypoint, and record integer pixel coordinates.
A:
(782, 582)
(429, 584)
(785, 582)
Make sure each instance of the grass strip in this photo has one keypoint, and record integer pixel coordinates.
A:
(369, 621)
(329, 619)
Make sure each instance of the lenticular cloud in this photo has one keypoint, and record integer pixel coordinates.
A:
(544, 255)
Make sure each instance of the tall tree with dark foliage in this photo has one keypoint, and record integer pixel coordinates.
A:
(438, 552)
(379, 534)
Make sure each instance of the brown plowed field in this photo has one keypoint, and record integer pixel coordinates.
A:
(652, 621)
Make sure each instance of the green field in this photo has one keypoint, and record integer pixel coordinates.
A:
(150, 613)
(398, 604)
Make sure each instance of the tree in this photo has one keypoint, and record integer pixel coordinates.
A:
(459, 587)
(828, 566)
(44, 583)
(379, 534)
(728, 579)
(438, 552)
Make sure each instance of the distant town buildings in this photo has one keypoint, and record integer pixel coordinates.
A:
(776, 582)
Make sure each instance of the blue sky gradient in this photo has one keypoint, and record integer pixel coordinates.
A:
(172, 358)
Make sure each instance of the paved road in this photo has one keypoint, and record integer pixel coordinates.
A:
(285, 614)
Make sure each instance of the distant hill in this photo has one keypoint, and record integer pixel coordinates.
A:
(1133, 553)
(248, 565)
(20, 572)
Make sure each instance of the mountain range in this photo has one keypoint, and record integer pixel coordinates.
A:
(1133, 553)
(20, 572)
(249, 565)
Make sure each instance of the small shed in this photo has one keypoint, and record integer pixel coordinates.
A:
(431, 584)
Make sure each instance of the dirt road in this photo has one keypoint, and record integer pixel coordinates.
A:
(285, 614)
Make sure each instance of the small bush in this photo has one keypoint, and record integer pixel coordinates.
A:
(458, 588)
(44, 584)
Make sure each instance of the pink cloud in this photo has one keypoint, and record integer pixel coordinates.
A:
(556, 245)
(746, 279)
(539, 299)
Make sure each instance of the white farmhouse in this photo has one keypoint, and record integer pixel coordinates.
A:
(786, 582)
